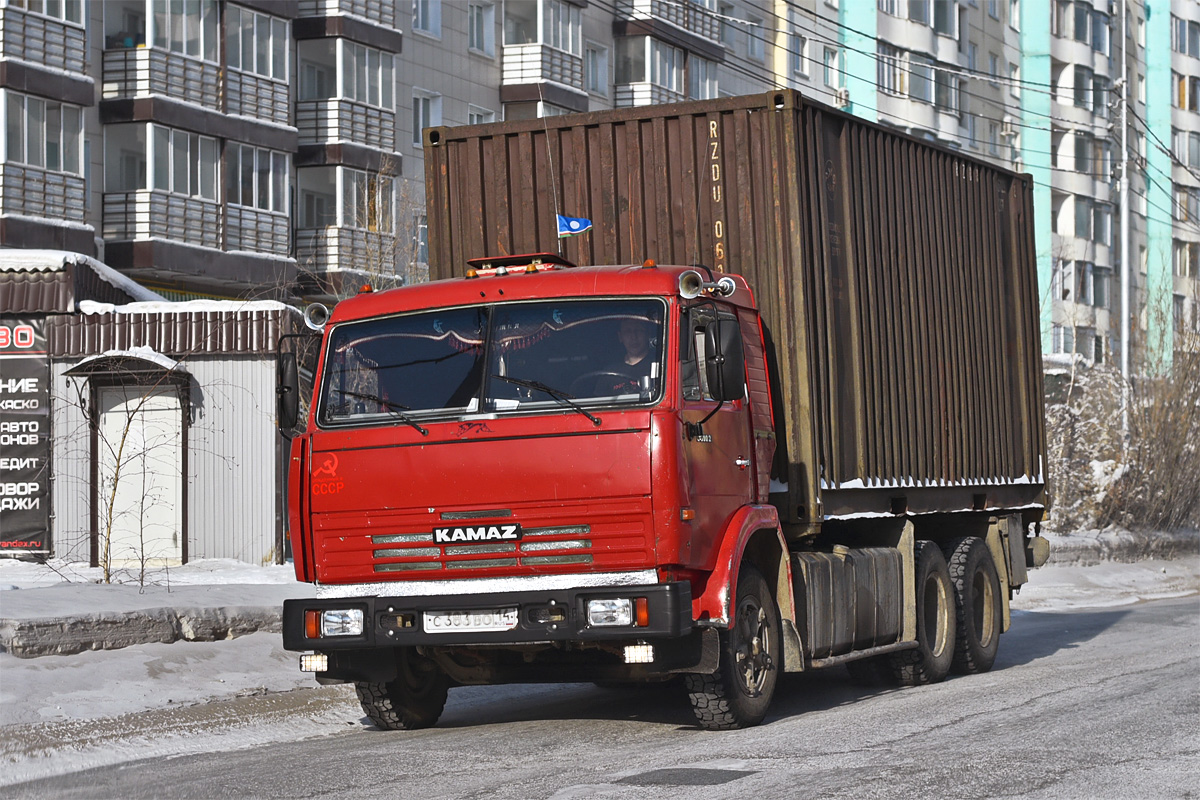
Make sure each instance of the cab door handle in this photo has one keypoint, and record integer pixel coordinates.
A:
(741, 462)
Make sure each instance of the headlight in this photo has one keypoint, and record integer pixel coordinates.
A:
(610, 612)
(342, 622)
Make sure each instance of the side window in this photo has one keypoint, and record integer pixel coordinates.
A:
(693, 377)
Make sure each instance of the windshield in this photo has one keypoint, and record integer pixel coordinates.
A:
(494, 359)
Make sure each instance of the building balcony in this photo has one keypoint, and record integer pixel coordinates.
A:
(537, 63)
(257, 231)
(144, 71)
(339, 120)
(256, 96)
(42, 194)
(152, 214)
(687, 16)
(381, 12)
(334, 248)
(645, 94)
(40, 40)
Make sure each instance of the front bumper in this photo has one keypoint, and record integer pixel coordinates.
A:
(399, 621)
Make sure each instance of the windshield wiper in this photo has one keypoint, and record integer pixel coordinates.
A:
(557, 394)
(395, 409)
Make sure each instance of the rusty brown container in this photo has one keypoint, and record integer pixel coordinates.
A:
(897, 279)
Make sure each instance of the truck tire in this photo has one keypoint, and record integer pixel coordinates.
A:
(414, 700)
(929, 661)
(977, 603)
(739, 693)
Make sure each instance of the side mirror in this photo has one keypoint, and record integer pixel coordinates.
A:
(724, 360)
(287, 392)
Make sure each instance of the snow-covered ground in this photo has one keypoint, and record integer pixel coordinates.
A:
(60, 714)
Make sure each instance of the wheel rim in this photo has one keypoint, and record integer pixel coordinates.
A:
(752, 647)
(936, 616)
(983, 601)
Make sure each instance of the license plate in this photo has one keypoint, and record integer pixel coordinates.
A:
(488, 619)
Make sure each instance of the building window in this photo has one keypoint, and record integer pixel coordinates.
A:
(188, 28)
(1014, 80)
(367, 74)
(972, 131)
(831, 72)
(1062, 339)
(993, 68)
(1101, 41)
(891, 7)
(1084, 87)
(945, 18)
(183, 163)
(920, 77)
(1187, 258)
(994, 9)
(1101, 284)
(481, 28)
(427, 17)
(1187, 92)
(702, 78)
(65, 10)
(43, 133)
(946, 95)
(728, 31)
(798, 55)
(755, 39)
(1084, 274)
(427, 113)
(1014, 14)
(256, 43)
(595, 68)
(972, 56)
(256, 177)
(1187, 204)
(1185, 37)
(918, 11)
(367, 200)
(890, 72)
(666, 66)
(563, 27)
(479, 116)
(993, 139)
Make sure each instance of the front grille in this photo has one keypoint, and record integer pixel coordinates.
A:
(466, 556)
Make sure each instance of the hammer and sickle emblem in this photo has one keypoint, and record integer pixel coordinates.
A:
(329, 467)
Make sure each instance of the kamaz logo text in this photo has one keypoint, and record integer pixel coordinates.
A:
(481, 533)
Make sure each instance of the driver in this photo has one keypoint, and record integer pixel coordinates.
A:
(628, 372)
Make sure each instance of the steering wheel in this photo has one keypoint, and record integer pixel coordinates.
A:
(579, 383)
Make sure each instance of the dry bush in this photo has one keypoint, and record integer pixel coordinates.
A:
(1160, 488)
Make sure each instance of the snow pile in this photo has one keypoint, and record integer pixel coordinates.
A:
(200, 572)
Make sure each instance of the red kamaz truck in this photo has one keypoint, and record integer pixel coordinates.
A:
(795, 422)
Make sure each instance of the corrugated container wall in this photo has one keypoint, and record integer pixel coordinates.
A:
(896, 279)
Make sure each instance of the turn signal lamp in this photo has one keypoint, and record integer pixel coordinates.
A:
(642, 607)
(687, 514)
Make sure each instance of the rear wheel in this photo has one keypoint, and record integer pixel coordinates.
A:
(739, 693)
(929, 661)
(977, 602)
(413, 700)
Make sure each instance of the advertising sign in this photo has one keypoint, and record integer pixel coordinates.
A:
(24, 437)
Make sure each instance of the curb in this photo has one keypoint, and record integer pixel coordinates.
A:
(68, 635)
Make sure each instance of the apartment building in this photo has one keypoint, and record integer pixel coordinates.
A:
(274, 147)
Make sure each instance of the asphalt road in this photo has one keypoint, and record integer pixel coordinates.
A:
(1089, 704)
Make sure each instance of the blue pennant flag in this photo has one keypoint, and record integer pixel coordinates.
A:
(572, 226)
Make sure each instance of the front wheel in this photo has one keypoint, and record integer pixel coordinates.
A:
(413, 700)
(739, 693)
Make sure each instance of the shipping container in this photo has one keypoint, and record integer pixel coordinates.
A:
(896, 279)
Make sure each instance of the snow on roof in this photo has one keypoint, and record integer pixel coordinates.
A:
(184, 307)
(21, 260)
(142, 353)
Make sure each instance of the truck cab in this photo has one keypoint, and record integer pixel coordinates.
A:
(537, 472)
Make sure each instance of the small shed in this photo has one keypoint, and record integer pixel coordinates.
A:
(157, 420)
